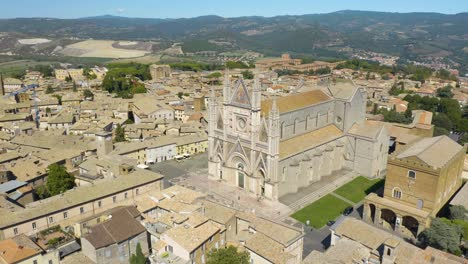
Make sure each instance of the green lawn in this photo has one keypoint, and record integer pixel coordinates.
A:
(358, 188)
(321, 211)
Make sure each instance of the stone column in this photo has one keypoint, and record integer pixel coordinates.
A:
(398, 222)
(421, 227)
(366, 214)
(378, 214)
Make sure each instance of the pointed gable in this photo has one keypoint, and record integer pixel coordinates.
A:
(219, 123)
(237, 147)
(263, 132)
(240, 97)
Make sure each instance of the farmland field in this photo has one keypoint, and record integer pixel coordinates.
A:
(100, 49)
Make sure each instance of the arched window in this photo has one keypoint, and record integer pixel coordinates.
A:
(420, 204)
(240, 175)
(397, 193)
(283, 174)
(412, 174)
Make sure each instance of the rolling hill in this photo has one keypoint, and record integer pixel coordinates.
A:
(411, 35)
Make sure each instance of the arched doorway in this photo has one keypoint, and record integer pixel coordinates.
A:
(372, 212)
(240, 175)
(389, 218)
(411, 224)
(262, 182)
(219, 169)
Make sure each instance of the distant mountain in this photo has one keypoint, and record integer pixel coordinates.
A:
(411, 35)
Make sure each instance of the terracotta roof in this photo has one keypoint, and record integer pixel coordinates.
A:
(191, 238)
(120, 227)
(294, 102)
(268, 248)
(17, 249)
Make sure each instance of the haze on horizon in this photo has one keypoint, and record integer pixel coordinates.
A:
(190, 8)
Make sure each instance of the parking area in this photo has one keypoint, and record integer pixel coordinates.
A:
(173, 169)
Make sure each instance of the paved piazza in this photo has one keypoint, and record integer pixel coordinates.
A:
(193, 173)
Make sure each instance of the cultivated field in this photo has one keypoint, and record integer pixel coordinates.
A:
(34, 41)
(100, 49)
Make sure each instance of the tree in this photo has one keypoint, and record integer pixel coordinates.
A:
(139, 257)
(228, 255)
(394, 117)
(439, 131)
(88, 94)
(443, 236)
(445, 92)
(458, 212)
(119, 134)
(248, 75)
(322, 71)
(59, 98)
(68, 79)
(443, 121)
(446, 75)
(74, 87)
(59, 180)
(375, 109)
(214, 75)
(41, 191)
(45, 70)
(464, 139)
(49, 90)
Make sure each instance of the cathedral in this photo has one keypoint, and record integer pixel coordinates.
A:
(274, 147)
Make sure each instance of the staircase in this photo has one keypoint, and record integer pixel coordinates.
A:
(326, 189)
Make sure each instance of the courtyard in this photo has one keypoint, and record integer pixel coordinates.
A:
(331, 206)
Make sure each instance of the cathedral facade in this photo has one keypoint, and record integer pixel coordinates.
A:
(274, 147)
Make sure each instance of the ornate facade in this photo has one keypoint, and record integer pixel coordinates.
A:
(274, 147)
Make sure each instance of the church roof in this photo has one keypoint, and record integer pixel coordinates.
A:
(369, 130)
(294, 102)
(317, 137)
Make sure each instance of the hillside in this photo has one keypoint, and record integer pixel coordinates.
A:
(410, 35)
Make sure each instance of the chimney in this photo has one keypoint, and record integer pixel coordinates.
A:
(389, 250)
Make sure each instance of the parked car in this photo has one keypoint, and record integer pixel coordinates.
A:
(330, 223)
(348, 210)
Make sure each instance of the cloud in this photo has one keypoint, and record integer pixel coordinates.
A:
(120, 10)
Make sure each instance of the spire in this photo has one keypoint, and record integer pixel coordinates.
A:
(274, 109)
(227, 86)
(256, 94)
(256, 83)
(227, 83)
(212, 92)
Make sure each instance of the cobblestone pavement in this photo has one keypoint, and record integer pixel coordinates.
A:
(233, 196)
(193, 174)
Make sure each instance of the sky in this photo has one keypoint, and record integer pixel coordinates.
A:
(225, 8)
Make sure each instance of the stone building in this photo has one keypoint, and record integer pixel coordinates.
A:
(421, 178)
(274, 147)
(116, 239)
(160, 71)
